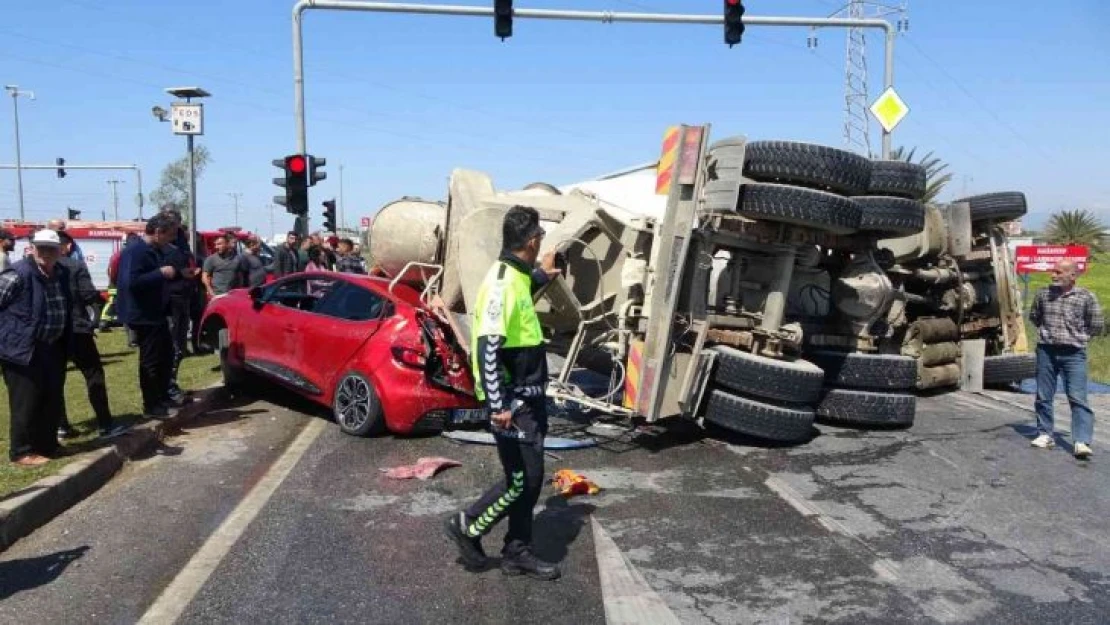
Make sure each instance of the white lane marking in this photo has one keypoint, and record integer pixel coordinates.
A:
(171, 604)
(628, 598)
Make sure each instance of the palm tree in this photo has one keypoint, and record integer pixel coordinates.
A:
(936, 174)
(1075, 227)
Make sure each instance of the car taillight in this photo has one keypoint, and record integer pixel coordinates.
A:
(409, 357)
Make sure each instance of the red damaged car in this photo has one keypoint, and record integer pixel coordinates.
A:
(374, 354)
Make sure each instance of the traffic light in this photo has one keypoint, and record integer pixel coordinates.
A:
(329, 216)
(295, 180)
(734, 22)
(74, 214)
(60, 161)
(503, 18)
(315, 164)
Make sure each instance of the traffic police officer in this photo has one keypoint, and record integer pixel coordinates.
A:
(510, 367)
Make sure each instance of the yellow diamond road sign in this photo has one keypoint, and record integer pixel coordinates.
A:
(889, 109)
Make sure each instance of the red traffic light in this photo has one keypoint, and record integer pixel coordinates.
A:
(296, 164)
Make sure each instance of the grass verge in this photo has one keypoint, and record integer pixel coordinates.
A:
(121, 370)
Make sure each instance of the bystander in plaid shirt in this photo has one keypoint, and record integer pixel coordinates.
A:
(54, 325)
(1066, 318)
(349, 264)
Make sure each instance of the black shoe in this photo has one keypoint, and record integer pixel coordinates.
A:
(68, 432)
(525, 563)
(470, 548)
(178, 400)
(114, 431)
(157, 412)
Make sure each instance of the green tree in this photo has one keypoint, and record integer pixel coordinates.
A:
(1075, 227)
(173, 188)
(937, 175)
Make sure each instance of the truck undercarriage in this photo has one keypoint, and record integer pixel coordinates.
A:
(784, 282)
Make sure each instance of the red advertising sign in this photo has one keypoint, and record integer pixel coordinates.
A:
(365, 222)
(1038, 258)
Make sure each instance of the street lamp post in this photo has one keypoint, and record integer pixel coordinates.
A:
(16, 92)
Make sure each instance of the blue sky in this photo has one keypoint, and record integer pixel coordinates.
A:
(1013, 94)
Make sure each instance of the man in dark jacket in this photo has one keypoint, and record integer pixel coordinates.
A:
(34, 331)
(286, 259)
(182, 291)
(143, 304)
(85, 299)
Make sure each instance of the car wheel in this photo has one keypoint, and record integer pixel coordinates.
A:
(356, 407)
(234, 377)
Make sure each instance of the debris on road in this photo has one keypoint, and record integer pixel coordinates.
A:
(569, 484)
(424, 469)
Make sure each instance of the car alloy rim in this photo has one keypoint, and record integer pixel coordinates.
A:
(352, 402)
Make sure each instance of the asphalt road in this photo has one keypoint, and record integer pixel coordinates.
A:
(956, 520)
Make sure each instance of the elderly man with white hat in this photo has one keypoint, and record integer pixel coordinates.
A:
(34, 333)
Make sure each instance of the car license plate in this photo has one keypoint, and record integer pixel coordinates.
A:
(469, 415)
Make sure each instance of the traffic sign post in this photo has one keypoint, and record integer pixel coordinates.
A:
(1043, 258)
(187, 118)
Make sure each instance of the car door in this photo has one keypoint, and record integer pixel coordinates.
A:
(351, 313)
(277, 328)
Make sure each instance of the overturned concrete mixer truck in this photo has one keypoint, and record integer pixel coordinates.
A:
(754, 285)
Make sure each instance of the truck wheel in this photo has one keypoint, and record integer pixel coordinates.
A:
(878, 372)
(799, 206)
(866, 408)
(796, 382)
(754, 418)
(997, 206)
(1006, 368)
(897, 178)
(807, 165)
(890, 215)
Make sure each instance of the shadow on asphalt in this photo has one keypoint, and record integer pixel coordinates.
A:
(558, 525)
(27, 573)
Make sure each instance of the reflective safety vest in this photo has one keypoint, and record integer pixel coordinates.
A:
(504, 308)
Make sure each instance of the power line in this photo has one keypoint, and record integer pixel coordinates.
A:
(1013, 131)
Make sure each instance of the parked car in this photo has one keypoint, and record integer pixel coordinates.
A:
(374, 354)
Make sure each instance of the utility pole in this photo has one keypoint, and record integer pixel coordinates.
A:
(16, 92)
(342, 221)
(236, 197)
(115, 198)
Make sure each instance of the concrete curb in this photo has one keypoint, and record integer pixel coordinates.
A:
(40, 502)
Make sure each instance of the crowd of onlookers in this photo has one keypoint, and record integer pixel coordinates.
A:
(50, 310)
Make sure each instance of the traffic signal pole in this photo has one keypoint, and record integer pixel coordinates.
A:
(135, 168)
(605, 17)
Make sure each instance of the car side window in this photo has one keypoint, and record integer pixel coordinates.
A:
(303, 294)
(353, 303)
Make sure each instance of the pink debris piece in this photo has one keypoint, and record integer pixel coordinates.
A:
(423, 469)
